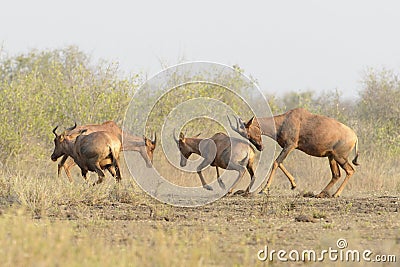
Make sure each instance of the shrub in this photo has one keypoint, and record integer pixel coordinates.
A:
(42, 89)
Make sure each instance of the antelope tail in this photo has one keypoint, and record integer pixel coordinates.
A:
(356, 154)
(112, 152)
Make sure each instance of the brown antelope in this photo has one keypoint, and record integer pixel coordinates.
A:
(316, 135)
(131, 142)
(93, 152)
(220, 151)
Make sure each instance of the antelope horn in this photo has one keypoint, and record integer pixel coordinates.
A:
(155, 138)
(73, 127)
(176, 139)
(241, 122)
(54, 130)
(230, 122)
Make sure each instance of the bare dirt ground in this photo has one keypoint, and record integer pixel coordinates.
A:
(238, 227)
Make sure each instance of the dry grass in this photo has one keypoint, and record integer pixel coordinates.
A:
(47, 221)
(375, 175)
(47, 242)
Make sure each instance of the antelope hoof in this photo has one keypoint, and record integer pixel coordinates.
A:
(98, 182)
(246, 194)
(240, 193)
(262, 193)
(335, 195)
(206, 186)
(294, 187)
(323, 194)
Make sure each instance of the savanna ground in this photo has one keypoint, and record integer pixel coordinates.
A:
(47, 221)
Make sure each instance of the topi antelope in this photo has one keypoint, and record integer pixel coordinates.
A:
(316, 135)
(143, 145)
(230, 154)
(93, 152)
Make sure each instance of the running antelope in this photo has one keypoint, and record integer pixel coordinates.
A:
(316, 135)
(143, 145)
(230, 154)
(93, 152)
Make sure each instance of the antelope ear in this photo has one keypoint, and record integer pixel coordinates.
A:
(181, 136)
(147, 141)
(250, 122)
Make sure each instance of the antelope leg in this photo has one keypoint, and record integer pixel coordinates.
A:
(202, 165)
(288, 175)
(282, 156)
(220, 182)
(335, 177)
(241, 173)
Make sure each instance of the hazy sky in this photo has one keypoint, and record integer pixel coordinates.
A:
(285, 45)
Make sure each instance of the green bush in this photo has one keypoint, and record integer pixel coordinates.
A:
(378, 111)
(42, 89)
